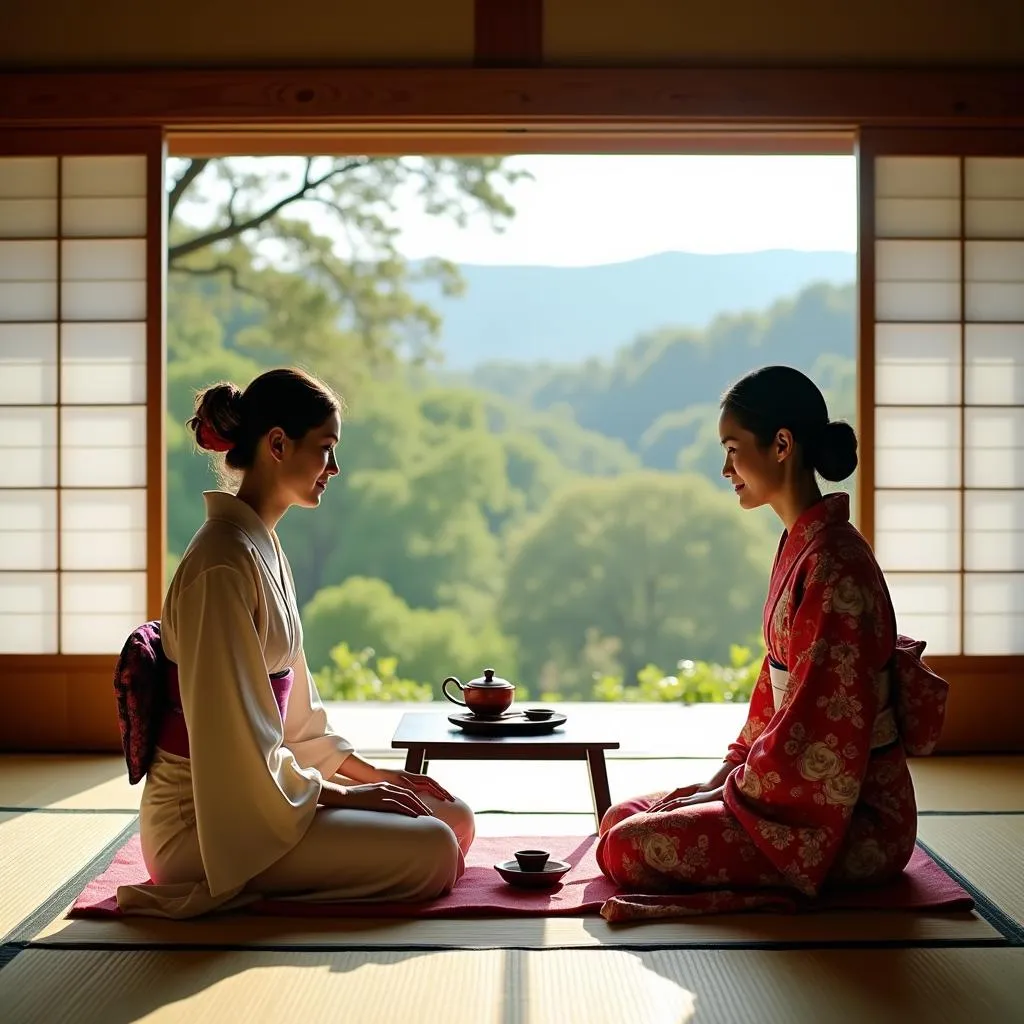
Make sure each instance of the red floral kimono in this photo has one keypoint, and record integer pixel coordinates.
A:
(820, 793)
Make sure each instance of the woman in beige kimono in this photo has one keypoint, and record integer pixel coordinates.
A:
(251, 792)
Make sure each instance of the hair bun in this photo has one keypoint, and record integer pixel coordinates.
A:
(218, 417)
(834, 453)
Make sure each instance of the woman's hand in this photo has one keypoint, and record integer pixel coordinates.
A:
(354, 767)
(676, 794)
(415, 783)
(688, 797)
(374, 796)
(699, 793)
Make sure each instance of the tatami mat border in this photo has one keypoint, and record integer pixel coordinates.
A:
(984, 905)
(47, 911)
(69, 810)
(967, 814)
(428, 947)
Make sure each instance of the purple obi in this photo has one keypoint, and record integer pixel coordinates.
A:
(173, 736)
(149, 701)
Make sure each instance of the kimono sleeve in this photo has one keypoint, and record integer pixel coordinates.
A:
(253, 801)
(762, 707)
(307, 731)
(796, 792)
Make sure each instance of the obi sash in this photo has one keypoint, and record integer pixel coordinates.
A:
(140, 694)
(911, 695)
(884, 731)
(173, 735)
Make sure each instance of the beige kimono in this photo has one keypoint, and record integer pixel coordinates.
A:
(239, 818)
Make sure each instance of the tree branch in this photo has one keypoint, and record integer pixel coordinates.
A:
(231, 230)
(232, 222)
(194, 169)
(218, 268)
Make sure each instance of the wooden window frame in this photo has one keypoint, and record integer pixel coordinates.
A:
(638, 110)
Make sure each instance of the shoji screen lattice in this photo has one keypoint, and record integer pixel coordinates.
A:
(77, 501)
(948, 396)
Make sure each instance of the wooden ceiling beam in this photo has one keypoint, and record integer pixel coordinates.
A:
(497, 97)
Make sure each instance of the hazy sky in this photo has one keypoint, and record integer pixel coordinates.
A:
(586, 210)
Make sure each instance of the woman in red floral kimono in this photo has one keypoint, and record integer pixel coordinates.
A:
(815, 791)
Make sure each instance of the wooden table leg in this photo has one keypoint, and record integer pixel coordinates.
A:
(599, 783)
(416, 760)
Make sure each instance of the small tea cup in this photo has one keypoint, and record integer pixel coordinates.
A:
(538, 714)
(532, 860)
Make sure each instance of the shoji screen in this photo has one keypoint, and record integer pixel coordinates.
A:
(81, 438)
(942, 338)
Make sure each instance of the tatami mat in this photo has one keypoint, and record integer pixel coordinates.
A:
(78, 782)
(525, 933)
(495, 987)
(40, 852)
(958, 784)
(969, 783)
(517, 987)
(988, 850)
(100, 782)
(911, 986)
(94, 782)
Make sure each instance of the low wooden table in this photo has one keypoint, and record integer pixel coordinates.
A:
(430, 737)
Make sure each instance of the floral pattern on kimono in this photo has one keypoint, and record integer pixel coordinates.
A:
(820, 793)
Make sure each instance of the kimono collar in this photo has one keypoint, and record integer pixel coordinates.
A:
(832, 509)
(227, 508)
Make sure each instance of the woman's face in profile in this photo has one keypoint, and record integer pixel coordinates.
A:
(755, 473)
(309, 463)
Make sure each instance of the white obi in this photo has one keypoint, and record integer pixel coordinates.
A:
(884, 731)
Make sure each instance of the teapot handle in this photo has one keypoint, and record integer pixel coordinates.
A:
(444, 690)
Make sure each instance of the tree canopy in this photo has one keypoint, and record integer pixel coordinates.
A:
(681, 373)
(312, 245)
(663, 563)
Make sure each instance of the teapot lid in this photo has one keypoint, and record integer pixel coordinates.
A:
(489, 679)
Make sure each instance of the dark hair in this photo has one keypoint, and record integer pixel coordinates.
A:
(233, 421)
(774, 397)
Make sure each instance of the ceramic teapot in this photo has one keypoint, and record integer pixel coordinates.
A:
(487, 697)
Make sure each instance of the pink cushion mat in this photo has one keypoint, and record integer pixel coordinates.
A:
(584, 890)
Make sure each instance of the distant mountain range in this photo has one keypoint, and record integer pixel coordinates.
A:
(571, 314)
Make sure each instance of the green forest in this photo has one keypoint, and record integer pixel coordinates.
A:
(565, 524)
